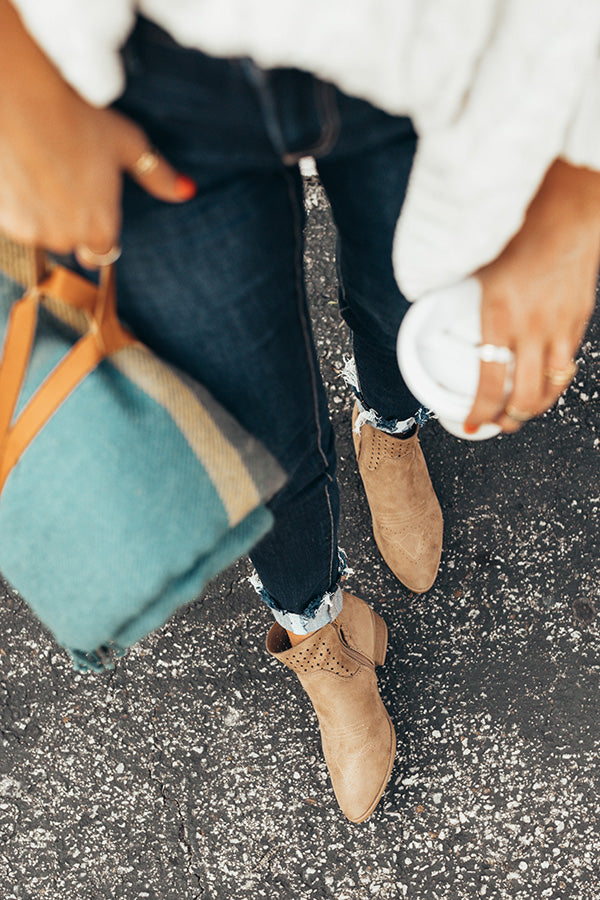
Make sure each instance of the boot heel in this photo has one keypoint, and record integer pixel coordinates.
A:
(381, 637)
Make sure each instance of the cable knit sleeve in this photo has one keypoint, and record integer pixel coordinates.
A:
(534, 95)
(83, 40)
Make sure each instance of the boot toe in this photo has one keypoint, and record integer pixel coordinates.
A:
(359, 783)
(413, 554)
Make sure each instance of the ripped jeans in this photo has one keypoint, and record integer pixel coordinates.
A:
(215, 285)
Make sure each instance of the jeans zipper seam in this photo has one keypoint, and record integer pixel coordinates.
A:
(329, 121)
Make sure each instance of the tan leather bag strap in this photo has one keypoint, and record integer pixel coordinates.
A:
(20, 332)
(18, 341)
(72, 288)
(105, 336)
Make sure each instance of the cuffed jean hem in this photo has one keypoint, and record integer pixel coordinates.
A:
(367, 415)
(319, 612)
(329, 608)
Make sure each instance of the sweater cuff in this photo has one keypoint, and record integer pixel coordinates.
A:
(582, 144)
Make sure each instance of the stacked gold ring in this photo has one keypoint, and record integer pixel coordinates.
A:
(561, 377)
(145, 163)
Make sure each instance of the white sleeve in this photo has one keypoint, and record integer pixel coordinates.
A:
(582, 145)
(83, 39)
(534, 96)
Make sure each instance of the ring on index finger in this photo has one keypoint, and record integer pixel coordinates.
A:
(145, 163)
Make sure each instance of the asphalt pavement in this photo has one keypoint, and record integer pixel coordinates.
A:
(193, 771)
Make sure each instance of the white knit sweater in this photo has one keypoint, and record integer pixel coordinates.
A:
(497, 89)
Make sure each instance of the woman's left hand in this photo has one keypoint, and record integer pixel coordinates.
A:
(538, 296)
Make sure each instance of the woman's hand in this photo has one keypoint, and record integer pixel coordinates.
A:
(62, 160)
(538, 296)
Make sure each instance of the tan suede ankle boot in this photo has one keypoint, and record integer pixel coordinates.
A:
(336, 667)
(407, 519)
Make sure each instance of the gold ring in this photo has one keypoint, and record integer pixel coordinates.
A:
(517, 415)
(145, 163)
(561, 377)
(92, 260)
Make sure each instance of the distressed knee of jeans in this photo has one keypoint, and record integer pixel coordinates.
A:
(318, 612)
(350, 376)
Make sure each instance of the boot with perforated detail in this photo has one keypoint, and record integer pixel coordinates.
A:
(407, 519)
(336, 667)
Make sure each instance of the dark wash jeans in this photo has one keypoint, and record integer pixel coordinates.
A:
(215, 285)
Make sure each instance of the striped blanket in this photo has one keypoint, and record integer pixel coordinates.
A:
(138, 490)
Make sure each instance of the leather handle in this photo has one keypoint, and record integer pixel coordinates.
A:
(105, 335)
(18, 342)
(20, 332)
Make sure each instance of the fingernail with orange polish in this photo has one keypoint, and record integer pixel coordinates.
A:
(470, 429)
(185, 188)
